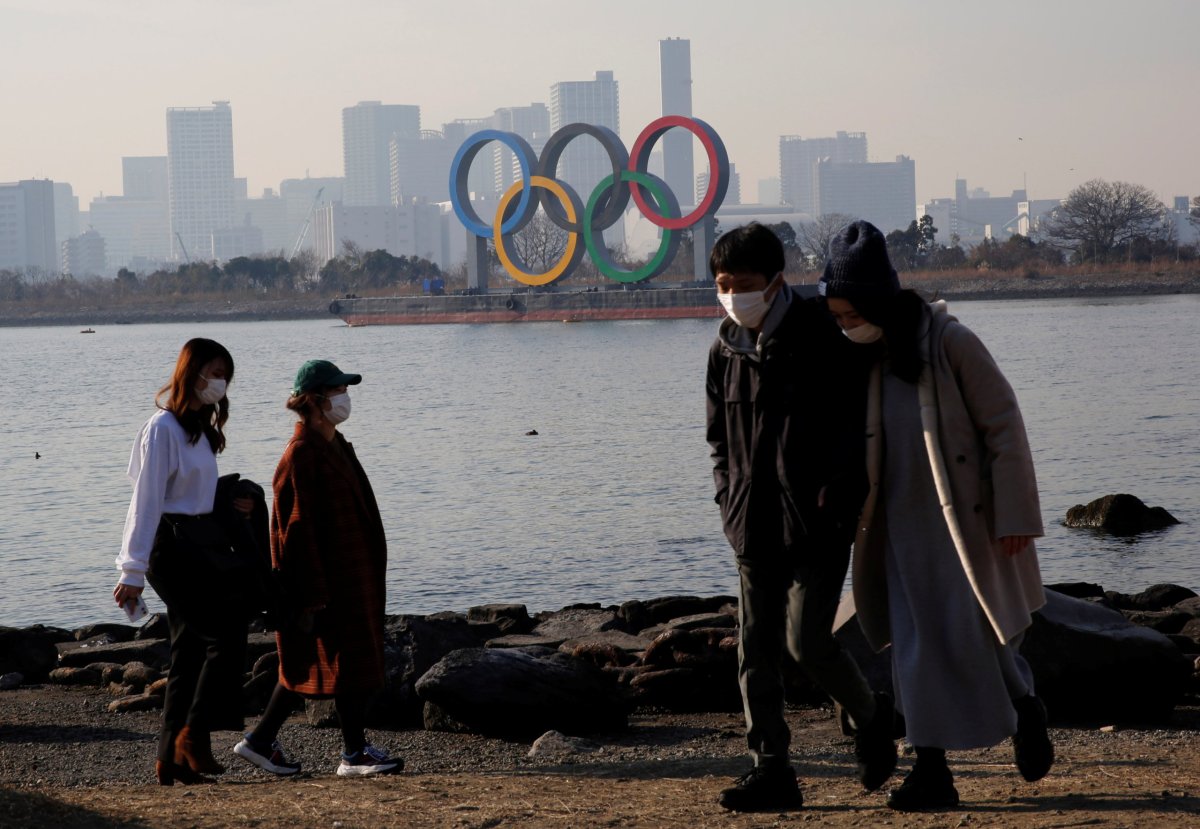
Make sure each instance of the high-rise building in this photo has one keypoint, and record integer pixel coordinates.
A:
(421, 167)
(367, 131)
(200, 186)
(798, 156)
(584, 163)
(531, 123)
(675, 78)
(27, 235)
(83, 255)
(66, 213)
(883, 193)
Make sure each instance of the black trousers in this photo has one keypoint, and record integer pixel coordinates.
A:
(208, 626)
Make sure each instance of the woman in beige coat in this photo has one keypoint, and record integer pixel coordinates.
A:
(945, 569)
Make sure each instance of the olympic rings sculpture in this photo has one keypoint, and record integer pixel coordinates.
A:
(605, 206)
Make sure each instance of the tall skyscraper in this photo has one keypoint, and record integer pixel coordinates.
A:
(584, 163)
(367, 131)
(27, 237)
(675, 78)
(797, 156)
(200, 186)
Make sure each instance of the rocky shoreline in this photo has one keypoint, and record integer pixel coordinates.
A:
(596, 716)
(954, 287)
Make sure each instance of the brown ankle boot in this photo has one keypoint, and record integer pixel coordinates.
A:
(167, 773)
(193, 750)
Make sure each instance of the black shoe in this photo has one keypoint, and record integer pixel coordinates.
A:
(925, 787)
(1032, 748)
(873, 745)
(764, 789)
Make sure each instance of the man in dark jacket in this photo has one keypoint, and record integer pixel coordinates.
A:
(786, 415)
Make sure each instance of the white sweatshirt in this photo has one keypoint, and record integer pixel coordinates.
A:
(169, 475)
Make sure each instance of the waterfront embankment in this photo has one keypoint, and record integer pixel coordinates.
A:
(975, 285)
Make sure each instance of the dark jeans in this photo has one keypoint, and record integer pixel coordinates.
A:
(790, 601)
(208, 646)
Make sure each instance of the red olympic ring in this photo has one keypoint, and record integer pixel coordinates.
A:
(718, 163)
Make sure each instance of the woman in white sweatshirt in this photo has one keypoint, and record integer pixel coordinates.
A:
(170, 520)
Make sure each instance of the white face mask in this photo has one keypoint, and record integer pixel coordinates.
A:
(747, 309)
(339, 408)
(863, 334)
(211, 393)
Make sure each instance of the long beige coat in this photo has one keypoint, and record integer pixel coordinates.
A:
(983, 471)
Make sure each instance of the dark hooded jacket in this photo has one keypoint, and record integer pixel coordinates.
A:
(786, 420)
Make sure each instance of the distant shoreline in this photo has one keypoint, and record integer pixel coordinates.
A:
(957, 287)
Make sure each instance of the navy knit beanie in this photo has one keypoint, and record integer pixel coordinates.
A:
(858, 266)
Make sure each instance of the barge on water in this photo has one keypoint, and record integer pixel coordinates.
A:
(649, 303)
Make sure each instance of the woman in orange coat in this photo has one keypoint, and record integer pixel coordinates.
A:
(327, 542)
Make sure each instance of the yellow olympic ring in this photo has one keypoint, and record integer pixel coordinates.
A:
(572, 238)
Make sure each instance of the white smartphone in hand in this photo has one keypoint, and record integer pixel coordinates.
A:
(135, 609)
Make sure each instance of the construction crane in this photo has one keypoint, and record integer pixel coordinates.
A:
(183, 248)
(307, 221)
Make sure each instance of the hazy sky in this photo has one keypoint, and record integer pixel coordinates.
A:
(1057, 93)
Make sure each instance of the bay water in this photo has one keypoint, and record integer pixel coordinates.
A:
(612, 499)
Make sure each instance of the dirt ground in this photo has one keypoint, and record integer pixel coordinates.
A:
(66, 762)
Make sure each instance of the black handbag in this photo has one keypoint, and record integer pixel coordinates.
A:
(202, 538)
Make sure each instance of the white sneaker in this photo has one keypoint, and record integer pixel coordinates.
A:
(367, 762)
(272, 760)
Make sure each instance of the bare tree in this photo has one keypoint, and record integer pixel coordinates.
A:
(1100, 217)
(814, 238)
(1194, 213)
(541, 243)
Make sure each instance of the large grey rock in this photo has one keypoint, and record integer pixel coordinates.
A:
(412, 645)
(527, 640)
(31, 651)
(690, 670)
(1119, 514)
(114, 632)
(1090, 663)
(1156, 597)
(154, 652)
(638, 615)
(523, 692)
(508, 618)
(571, 623)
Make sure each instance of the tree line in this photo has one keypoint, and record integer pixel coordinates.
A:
(353, 271)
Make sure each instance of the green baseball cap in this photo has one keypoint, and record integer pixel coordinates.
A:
(322, 374)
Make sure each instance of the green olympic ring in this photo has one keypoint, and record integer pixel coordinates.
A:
(594, 240)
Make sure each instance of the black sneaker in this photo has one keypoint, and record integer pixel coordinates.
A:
(268, 758)
(1032, 749)
(925, 787)
(873, 745)
(764, 789)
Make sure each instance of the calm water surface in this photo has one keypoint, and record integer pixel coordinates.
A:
(612, 500)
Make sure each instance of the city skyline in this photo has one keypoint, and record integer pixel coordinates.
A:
(1079, 91)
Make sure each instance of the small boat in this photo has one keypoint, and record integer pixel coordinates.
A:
(88, 331)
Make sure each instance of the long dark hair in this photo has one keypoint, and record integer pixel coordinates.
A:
(901, 317)
(179, 392)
